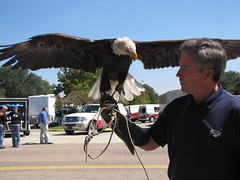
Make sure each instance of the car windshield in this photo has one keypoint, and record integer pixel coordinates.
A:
(89, 109)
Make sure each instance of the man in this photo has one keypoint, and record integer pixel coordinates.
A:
(16, 126)
(3, 125)
(201, 129)
(43, 120)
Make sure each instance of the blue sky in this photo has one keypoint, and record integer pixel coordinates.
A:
(149, 20)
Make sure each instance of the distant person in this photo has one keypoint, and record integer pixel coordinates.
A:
(3, 125)
(44, 133)
(16, 126)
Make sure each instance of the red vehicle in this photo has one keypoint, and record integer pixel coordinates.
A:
(134, 117)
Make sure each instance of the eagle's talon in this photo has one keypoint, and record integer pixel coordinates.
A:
(120, 88)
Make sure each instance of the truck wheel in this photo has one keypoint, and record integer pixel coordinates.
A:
(151, 119)
(92, 127)
(69, 132)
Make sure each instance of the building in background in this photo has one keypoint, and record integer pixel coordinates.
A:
(169, 96)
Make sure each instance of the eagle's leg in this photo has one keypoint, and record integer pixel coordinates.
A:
(105, 84)
(119, 88)
(121, 80)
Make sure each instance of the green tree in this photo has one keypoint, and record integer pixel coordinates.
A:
(21, 83)
(152, 94)
(72, 79)
(142, 99)
(149, 96)
(79, 97)
(231, 82)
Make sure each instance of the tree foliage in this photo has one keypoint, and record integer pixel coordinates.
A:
(149, 96)
(73, 79)
(152, 94)
(20, 83)
(78, 98)
(142, 99)
(231, 82)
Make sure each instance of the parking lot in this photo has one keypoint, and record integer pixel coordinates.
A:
(65, 159)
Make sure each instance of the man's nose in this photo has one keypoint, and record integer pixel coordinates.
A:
(179, 73)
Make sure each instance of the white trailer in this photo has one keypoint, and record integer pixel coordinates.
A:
(36, 103)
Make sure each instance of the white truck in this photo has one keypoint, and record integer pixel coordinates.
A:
(133, 111)
(36, 103)
(86, 116)
(148, 112)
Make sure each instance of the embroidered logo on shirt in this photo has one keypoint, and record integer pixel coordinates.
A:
(215, 133)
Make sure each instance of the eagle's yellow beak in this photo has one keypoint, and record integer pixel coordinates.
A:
(133, 55)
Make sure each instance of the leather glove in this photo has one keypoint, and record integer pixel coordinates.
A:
(139, 137)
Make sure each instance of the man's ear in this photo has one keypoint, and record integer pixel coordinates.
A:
(209, 73)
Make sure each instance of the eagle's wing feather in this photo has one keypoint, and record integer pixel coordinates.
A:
(57, 50)
(232, 47)
(160, 54)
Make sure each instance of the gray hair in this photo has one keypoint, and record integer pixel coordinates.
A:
(210, 55)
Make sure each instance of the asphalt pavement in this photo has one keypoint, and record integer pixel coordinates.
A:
(65, 159)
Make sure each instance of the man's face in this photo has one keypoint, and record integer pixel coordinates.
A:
(189, 77)
(4, 108)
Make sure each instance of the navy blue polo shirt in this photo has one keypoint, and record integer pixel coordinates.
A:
(203, 139)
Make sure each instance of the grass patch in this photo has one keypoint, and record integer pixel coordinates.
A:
(57, 128)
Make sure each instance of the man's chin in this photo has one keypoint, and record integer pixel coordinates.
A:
(184, 89)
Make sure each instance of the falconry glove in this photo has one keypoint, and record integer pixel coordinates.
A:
(139, 137)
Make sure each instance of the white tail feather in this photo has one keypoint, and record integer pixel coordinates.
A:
(94, 92)
(131, 87)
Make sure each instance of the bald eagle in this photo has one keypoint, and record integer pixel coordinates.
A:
(113, 55)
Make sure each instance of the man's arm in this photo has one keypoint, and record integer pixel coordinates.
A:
(20, 119)
(151, 145)
(5, 118)
(7, 125)
(45, 118)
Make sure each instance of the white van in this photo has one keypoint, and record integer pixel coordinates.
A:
(81, 120)
(148, 112)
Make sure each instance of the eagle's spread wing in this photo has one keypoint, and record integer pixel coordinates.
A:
(160, 54)
(57, 50)
(60, 50)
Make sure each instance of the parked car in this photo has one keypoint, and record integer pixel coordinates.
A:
(87, 119)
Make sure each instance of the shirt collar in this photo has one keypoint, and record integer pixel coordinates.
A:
(211, 101)
(208, 103)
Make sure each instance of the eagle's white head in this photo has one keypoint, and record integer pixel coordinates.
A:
(124, 46)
